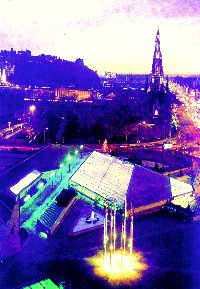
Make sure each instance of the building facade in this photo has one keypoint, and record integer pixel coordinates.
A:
(73, 94)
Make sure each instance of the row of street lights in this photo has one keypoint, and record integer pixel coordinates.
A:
(69, 158)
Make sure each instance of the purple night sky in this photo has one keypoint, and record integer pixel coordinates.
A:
(114, 35)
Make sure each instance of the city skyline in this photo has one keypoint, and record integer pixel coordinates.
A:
(116, 36)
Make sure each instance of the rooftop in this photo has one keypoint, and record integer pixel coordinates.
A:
(105, 175)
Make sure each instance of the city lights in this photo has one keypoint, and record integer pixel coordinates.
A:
(189, 101)
(32, 108)
(119, 185)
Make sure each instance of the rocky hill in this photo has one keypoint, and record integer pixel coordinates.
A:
(47, 70)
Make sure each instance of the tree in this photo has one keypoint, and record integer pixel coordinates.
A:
(105, 146)
(71, 131)
(98, 131)
(156, 168)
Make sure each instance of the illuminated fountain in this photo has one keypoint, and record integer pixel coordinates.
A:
(123, 264)
(111, 255)
(92, 218)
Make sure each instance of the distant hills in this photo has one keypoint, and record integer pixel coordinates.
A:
(47, 70)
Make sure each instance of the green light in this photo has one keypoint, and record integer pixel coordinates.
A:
(43, 235)
(76, 151)
(61, 165)
(40, 185)
(69, 158)
(27, 198)
(52, 174)
(45, 283)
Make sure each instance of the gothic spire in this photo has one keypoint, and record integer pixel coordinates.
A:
(157, 73)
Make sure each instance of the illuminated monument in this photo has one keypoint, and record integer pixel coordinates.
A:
(157, 88)
(157, 74)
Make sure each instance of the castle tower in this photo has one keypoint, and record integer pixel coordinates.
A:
(157, 74)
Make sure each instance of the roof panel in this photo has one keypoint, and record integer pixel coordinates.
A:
(105, 175)
(179, 188)
(147, 187)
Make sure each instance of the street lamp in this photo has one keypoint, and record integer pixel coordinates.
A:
(40, 185)
(144, 126)
(81, 148)
(29, 134)
(32, 109)
(51, 175)
(69, 159)
(76, 153)
(9, 123)
(61, 166)
(45, 134)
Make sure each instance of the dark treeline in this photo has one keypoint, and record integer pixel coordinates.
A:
(11, 105)
(89, 122)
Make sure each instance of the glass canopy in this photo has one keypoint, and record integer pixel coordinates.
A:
(105, 176)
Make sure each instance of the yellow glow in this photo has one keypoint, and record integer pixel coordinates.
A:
(32, 108)
(118, 268)
(130, 243)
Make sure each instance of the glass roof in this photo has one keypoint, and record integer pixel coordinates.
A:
(106, 176)
(23, 183)
(179, 188)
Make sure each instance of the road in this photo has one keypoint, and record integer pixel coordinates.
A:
(189, 119)
(187, 116)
